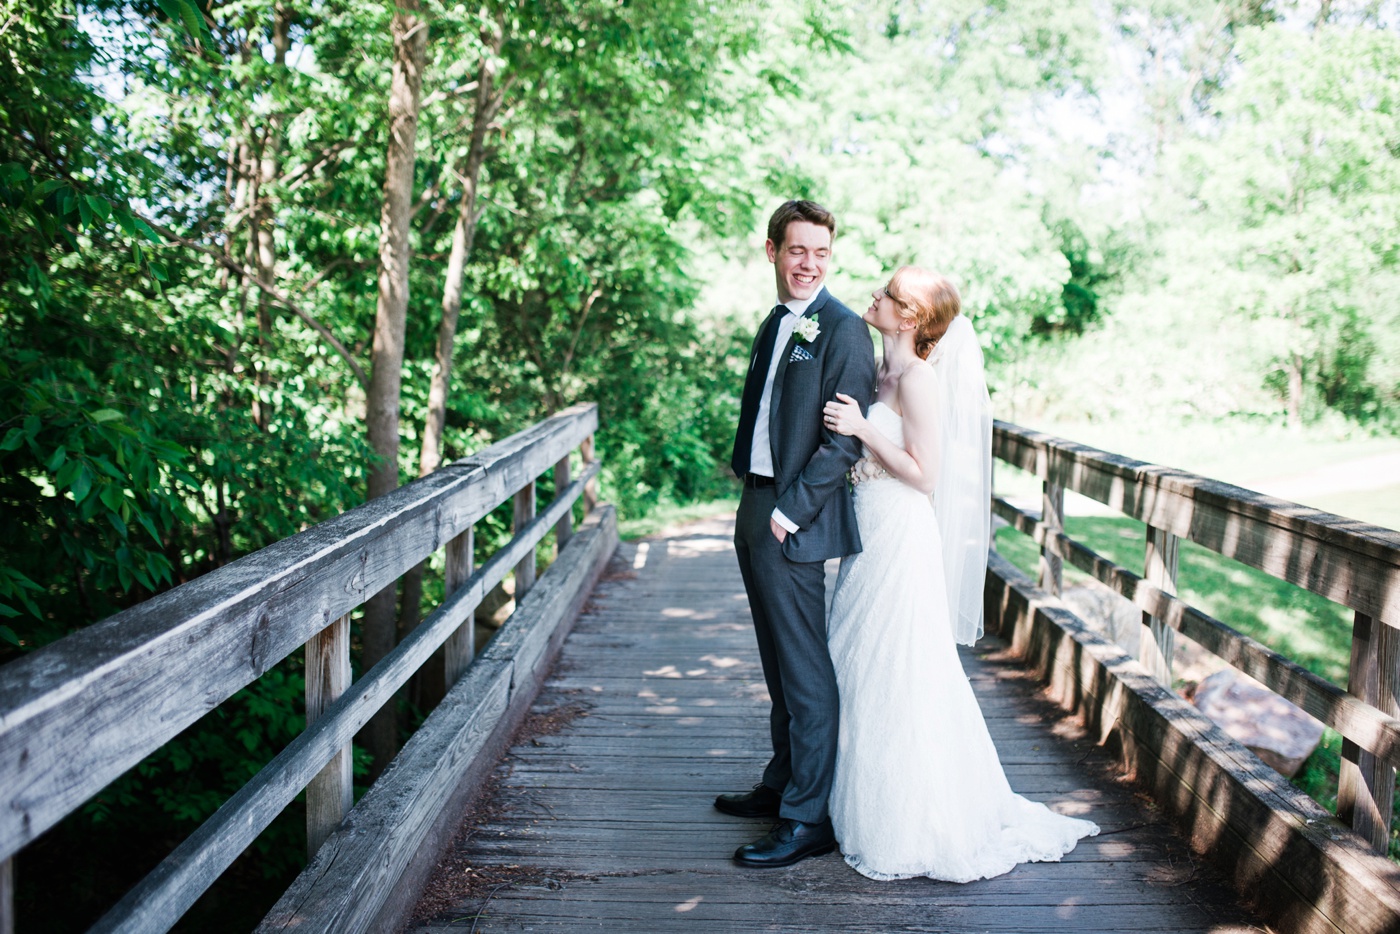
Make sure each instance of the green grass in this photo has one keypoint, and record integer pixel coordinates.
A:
(1312, 631)
(673, 514)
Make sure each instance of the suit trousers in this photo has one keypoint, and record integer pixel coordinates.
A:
(788, 603)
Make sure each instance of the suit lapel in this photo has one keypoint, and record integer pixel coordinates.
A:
(775, 409)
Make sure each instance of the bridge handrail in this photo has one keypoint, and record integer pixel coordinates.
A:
(77, 714)
(1347, 561)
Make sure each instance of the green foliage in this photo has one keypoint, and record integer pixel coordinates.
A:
(1304, 186)
(190, 201)
(189, 210)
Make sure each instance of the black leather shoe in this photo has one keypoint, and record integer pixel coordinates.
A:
(789, 841)
(761, 802)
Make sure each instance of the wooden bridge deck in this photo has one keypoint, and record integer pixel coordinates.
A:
(599, 818)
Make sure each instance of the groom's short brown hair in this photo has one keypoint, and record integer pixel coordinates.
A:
(790, 211)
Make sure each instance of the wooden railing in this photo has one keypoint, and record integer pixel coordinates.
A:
(1301, 867)
(77, 714)
(1346, 561)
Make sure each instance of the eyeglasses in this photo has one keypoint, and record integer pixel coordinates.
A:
(885, 291)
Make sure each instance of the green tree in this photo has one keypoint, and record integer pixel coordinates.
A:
(1301, 193)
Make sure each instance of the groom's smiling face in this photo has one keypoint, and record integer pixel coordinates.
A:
(800, 260)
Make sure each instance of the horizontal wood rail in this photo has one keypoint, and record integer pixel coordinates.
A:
(369, 873)
(77, 714)
(1373, 730)
(1346, 561)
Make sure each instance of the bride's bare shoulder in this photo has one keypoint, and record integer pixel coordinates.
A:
(917, 390)
(917, 376)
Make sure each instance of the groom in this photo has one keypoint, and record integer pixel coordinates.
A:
(795, 512)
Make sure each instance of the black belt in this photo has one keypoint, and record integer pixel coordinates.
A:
(753, 481)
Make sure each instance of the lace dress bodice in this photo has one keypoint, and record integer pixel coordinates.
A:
(891, 425)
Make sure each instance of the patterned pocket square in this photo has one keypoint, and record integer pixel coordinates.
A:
(799, 353)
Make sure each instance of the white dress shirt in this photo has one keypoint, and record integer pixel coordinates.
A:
(761, 460)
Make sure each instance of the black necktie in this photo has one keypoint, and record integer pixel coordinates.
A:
(753, 390)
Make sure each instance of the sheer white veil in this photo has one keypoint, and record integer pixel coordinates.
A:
(962, 497)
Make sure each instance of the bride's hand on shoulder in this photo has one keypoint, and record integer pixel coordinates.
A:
(842, 415)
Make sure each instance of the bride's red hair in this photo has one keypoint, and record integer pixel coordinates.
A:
(928, 299)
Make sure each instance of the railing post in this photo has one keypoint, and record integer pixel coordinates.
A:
(565, 529)
(1052, 520)
(590, 489)
(461, 645)
(525, 570)
(331, 793)
(7, 896)
(1366, 787)
(1157, 644)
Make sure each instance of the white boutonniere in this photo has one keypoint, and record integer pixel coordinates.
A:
(806, 329)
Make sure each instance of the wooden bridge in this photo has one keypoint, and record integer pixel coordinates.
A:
(572, 791)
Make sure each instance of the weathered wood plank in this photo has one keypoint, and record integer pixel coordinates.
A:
(590, 493)
(609, 816)
(345, 887)
(461, 645)
(524, 512)
(1302, 868)
(331, 793)
(1372, 729)
(164, 895)
(1366, 786)
(1052, 513)
(565, 529)
(1157, 645)
(1349, 562)
(130, 683)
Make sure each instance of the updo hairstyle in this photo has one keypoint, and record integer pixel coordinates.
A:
(929, 300)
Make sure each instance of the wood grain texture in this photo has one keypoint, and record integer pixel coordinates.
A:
(331, 793)
(1300, 866)
(1349, 562)
(345, 888)
(1052, 513)
(1158, 643)
(606, 822)
(1366, 785)
(565, 529)
(1371, 728)
(169, 890)
(461, 645)
(590, 494)
(76, 714)
(524, 511)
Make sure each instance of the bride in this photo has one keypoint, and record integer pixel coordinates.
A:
(919, 790)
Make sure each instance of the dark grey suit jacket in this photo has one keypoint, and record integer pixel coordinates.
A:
(809, 462)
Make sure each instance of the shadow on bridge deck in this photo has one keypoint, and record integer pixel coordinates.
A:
(599, 818)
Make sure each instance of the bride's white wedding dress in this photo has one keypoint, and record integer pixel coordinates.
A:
(919, 790)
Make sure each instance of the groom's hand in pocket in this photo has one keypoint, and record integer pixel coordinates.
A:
(779, 532)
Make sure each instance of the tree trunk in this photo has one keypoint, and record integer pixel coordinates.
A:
(263, 248)
(429, 690)
(410, 37)
(1295, 391)
(488, 104)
